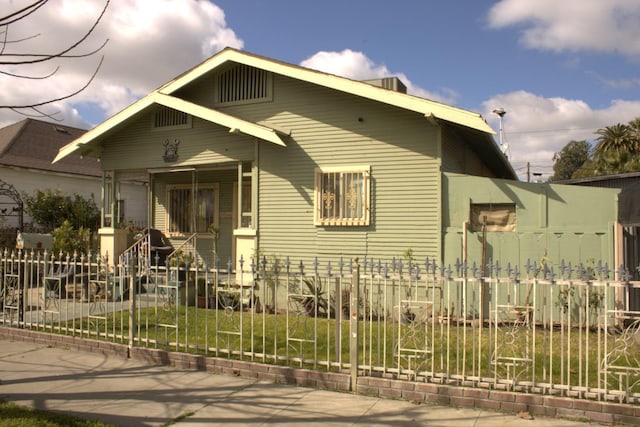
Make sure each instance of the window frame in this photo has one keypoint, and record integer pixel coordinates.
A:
(342, 172)
(503, 217)
(215, 187)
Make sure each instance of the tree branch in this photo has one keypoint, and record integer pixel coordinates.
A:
(40, 104)
(46, 57)
(18, 14)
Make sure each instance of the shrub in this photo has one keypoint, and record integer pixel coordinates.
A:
(69, 240)
(51, 208)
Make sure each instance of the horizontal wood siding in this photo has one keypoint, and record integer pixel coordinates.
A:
(332, 129)
(139, 146)
(458, 157)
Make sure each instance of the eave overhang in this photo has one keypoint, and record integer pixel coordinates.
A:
(88, 142)
(413, 103)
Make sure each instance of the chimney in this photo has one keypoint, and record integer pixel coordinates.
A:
(391, 83)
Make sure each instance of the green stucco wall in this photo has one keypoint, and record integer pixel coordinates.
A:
(555, 222)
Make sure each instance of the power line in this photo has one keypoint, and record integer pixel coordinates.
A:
(555, 130)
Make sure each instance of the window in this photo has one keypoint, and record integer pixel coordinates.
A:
(495, 216)
(243, 84)
(191, 211)
(168, 118)
(342, 196)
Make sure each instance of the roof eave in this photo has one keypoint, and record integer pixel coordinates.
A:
(362, 89)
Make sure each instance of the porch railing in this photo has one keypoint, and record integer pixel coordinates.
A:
(566, 331)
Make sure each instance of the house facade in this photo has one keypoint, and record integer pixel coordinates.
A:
(244, 155)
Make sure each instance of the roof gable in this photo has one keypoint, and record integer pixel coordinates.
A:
(363, 89)
(167, 95)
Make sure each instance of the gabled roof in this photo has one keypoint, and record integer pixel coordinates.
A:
(33, 144)
(163, 95)
(363, 89)
(234, 124)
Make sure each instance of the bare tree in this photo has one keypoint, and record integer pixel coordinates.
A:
(11, 57)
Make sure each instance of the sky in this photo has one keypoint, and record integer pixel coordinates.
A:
(560, 69)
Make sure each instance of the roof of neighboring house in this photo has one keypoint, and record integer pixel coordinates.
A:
(619, 180)
(33, 144)
(164, 96)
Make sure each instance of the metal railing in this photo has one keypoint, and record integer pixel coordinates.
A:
(569, 333)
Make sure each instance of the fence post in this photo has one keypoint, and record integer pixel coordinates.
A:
(132, 301)
(353, 324)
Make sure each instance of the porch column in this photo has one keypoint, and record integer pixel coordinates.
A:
(113, 240)
(245, 246)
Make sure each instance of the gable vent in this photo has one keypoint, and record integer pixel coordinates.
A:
(243, 84)
(170, 118)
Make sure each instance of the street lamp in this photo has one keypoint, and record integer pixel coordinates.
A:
(500, 112)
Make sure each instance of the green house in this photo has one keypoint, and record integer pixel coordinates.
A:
(246, 155)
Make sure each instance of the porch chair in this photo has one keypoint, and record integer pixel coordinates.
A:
(158, 246)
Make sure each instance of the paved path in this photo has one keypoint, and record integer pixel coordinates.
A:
(130, 393)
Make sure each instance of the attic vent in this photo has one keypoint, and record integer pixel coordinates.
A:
(243, 84)
(170, 118)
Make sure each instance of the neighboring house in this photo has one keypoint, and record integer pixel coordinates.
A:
(27, 149)
(246, 155)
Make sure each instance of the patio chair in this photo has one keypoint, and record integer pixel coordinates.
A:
(158, 246)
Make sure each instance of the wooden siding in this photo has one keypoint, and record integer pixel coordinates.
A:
(458, 157)
(139, 146)
(329, 129)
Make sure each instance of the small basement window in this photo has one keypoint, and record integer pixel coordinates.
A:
(342, 196)
(493, 216)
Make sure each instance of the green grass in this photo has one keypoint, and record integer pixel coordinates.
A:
(12, 415)
(458, 349)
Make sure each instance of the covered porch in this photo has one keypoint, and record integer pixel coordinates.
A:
(202, 214)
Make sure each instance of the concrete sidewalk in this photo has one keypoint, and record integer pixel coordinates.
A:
(126, 392)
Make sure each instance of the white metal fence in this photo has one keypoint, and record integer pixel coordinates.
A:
(568, 331)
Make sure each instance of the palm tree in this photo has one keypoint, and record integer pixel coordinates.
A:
(618, 138)
(634, 126)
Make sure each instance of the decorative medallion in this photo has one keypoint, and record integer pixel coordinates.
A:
(171, 150)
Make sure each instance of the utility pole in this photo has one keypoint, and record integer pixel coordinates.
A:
(528, 172)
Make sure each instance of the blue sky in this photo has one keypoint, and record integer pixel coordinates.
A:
(561, 69)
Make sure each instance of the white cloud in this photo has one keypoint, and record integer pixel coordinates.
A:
(357, 66)
(536, 127)
(611, 26)
(150, 43)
